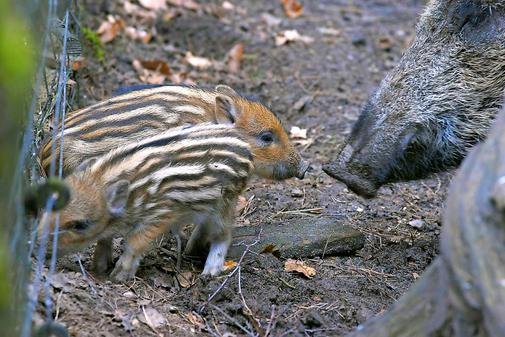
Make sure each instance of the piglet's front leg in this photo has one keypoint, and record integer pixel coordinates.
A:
(136, 244)
(215, 259)
(102, 257)
(216, 232)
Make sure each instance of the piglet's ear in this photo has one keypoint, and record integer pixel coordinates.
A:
(226, 90)
(226, 110)
(85, 164)
(116, 196)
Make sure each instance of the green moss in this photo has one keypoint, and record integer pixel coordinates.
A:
(17, 61)
(94, 42)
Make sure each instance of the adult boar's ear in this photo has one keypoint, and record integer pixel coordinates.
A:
(116, 196)
(477, 22)
(226, 111)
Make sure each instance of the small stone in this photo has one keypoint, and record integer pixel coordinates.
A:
(129, 294)
(358, 39)
(313, 320)
(360, 209)
(172, 309)
(417, 223)
(296, 193)
(59, 281)
(385, 43)
(271, 20)
(302, 103)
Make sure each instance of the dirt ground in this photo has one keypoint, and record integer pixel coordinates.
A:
(355, 42)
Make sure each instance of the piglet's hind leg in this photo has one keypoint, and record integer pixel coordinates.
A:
(136, 244)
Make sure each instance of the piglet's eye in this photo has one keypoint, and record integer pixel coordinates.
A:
(266, 137)
(79, 225)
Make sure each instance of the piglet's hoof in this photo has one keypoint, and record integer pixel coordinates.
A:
(102, 259)
(119, 275)
(213, 265)
(212, 270)
(122, 274)
(101, 265)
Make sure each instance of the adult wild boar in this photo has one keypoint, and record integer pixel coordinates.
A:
(438, 102)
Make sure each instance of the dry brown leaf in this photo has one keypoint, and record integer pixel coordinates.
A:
(138, 34)
(149, 76)
(157, 65)
(71, 82)
(109, 29)
(298, 133)
(228, 5)
(241, 204)
(188, 4)
(154, 4)
(292, 8)
(130, 8)
(235, 56)
(136, 10)
(152, 318)
(299, 267)
(271, 249)
(291, 35)
(228, 264)
(197, 61)
(170, 14)
(185, 279)
(78, 63)
(196, 319)
(181, 77)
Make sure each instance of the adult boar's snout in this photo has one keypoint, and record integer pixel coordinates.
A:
(359, 185)
(352, 167)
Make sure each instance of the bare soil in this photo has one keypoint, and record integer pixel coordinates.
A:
(355, 44)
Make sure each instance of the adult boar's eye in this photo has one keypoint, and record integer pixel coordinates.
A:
(266, 138)
(79, 225)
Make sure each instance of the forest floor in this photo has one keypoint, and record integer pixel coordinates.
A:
(317, 83)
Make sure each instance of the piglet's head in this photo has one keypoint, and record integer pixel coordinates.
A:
(273, 154)
(92, 207)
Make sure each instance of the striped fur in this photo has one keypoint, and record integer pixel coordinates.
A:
(132, 117)
(142, 190)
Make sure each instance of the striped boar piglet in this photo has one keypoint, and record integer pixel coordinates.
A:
(187, 175)
(139, 114)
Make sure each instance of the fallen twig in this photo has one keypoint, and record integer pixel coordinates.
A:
(234, 321)
(85, 275)
(255, 322)
(306, 211)
(271, 323)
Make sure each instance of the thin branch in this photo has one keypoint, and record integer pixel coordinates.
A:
(234, 321)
